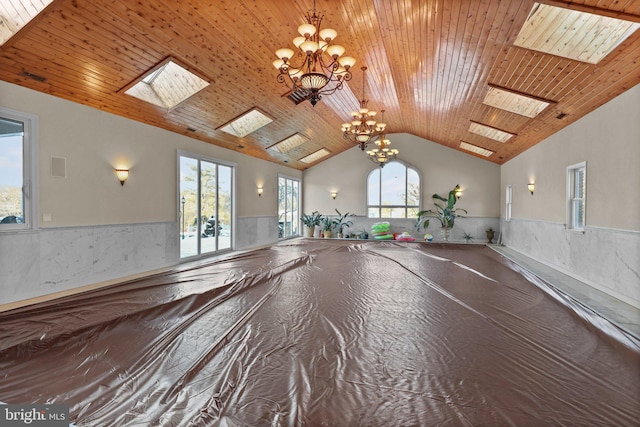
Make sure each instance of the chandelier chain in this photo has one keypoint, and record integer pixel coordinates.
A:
(363, 127)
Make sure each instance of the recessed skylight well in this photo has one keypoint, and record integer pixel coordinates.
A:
(15, 14)
(246, 123)
(323, 152)
(167, 85)
(475, 149)
(515, 102)
(289, 143)
(490, 132)
(572, 34)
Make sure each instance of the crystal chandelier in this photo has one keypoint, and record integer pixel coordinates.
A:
(318, 67)
(382, 154)
(363, 128)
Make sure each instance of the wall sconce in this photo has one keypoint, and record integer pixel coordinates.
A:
(122, 175)
(531, 187)
(334, 194)
(260, 189)
(458, 194)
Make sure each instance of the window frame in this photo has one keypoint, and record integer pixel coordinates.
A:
(218, 162)
(508, 203)
(297, 221)
(572, 199)
(380, 207)
(29, 170)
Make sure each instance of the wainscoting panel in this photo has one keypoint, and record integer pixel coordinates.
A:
(606, 259)
(252, 232)
(46, 261)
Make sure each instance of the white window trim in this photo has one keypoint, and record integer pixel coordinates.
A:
(508, 203)
(569, 200)
(366, 186)
(299, 180)
(234, 170)
(30, 169)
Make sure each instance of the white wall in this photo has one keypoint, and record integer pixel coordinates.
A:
(441, 169)
(90, 198)
(607, 254)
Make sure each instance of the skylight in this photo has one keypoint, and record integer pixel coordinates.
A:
(475, 149)
(515, 102)
(247, 123)
(289, 143)
(167, 86)
(573, 34)
(323, 152)
(15, 14)
(489, 132)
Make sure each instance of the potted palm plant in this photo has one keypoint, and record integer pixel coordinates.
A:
(445, 214)
(310, 222)
(327, 226)
(342, 222)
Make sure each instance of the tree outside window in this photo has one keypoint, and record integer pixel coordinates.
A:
(393, 192)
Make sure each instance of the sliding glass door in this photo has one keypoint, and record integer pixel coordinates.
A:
(205, 202)
(288, 202)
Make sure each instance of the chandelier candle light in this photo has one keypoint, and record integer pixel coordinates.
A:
(382, 154)
(363, 128)
(318, 67)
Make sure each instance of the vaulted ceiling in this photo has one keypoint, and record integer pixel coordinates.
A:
(434, 66)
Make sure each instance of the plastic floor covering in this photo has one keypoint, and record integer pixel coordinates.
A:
(315, 332)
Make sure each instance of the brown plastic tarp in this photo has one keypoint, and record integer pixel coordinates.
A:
(326, 332)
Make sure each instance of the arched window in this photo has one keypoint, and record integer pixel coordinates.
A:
(393, 192)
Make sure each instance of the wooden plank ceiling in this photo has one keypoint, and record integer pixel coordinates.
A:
(430, 65)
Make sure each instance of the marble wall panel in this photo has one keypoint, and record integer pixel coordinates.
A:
(17, 267)
(606, 259)
(46, 261)
(256, 231)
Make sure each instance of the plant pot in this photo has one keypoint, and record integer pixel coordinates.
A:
(445, 232)
(309, 231)
(327, 234)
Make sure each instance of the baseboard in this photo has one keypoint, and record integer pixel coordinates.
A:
(588, 282)
(81, 289)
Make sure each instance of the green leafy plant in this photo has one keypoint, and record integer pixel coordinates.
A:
(466, 236)
(327, 223)
(445, 213)
(342, 221)
(312, 219)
